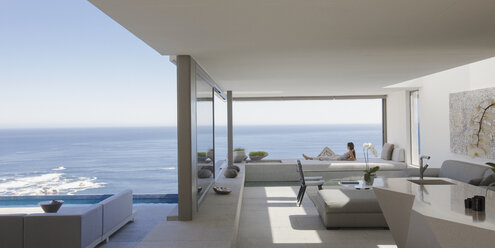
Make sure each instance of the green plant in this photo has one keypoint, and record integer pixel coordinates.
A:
(258, 153)
(239, 149)
(370, 173)
(201, 154)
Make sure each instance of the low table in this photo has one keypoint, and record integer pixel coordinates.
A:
(378, 182)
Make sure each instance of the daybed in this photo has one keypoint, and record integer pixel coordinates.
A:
(71, 227)
(285, 169)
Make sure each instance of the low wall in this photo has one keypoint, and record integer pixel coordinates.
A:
(284, 170)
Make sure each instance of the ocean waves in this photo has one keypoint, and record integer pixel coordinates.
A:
(46, 184)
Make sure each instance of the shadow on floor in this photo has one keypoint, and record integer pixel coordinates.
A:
(270, 218)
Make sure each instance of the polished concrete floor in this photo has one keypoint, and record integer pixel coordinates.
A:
(270, 218)
(148, 216)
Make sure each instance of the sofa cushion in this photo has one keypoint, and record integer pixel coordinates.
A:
(387, 150)
(349, 201)
(398, 155)
(70, 227)
(462, 171)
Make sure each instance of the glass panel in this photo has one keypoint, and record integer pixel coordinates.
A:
(220, 134)
(287, 129)
(415, 135)
(204, 121)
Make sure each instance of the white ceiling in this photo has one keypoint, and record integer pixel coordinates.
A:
(313, 47)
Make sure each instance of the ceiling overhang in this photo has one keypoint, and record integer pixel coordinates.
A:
(269, 48)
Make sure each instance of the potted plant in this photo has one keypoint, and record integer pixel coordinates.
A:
(258, 155)
(369, 173)
(239, 155)
(210, 154)
(201, 157)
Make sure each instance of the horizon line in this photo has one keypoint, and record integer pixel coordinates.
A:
(175, 126)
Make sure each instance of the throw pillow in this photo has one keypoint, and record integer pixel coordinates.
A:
(387, 151)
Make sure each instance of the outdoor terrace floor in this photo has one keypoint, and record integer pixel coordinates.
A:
(148, 216)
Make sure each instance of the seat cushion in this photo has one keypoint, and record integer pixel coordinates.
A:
(462, 171)
(387, 150)
(349, 201)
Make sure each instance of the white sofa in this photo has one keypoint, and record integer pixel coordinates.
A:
(71, 227)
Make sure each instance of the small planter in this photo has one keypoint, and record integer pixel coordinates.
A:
(210, 154)
(239, 156)
(256, 156)
(201, 156)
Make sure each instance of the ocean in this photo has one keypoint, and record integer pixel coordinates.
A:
(107, 160)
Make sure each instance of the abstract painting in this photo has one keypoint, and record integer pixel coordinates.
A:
(472, 126)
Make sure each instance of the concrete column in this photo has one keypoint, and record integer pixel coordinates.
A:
(186, 137)
(230, 129)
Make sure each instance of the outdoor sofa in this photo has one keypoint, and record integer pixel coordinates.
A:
(71, 227)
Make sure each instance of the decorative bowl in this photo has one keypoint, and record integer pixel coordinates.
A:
(51, 206)
(222, 190)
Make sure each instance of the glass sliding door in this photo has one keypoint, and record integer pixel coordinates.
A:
(204, 136)
(415, 127)
(220, 136)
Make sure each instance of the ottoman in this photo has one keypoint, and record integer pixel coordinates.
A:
(349, 207)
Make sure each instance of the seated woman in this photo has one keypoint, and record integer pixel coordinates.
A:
(327, 154)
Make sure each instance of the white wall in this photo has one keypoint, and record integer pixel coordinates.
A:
(434, 93)
(434, 112)
(398, 120)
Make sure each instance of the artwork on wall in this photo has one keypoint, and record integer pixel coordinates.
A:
(472, 123)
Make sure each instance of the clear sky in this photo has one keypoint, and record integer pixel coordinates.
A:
(309, 112)
(63, 63)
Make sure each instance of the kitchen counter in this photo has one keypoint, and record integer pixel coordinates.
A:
(434, 215)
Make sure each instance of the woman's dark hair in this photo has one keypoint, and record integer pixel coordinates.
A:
(351, 146)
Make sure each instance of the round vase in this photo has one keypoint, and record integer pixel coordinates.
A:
(239, 156)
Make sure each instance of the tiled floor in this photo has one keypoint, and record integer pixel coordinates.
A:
(270, 218)
(148, 215)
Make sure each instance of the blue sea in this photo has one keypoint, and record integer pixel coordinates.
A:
(106, 160)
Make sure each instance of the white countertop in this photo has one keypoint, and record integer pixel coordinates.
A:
(446, 201)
